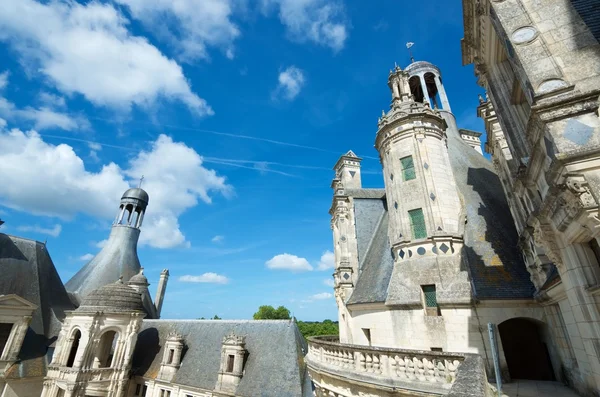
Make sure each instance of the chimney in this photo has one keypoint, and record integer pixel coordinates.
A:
(160, 291)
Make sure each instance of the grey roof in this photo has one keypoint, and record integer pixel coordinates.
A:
(274, 367)
(495, 263)
(365, 193)
(28, 271)
(136, 193)
(118, 258)
(374, 252)
(115, 297)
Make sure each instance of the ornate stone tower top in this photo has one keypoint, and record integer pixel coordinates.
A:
(347, 170)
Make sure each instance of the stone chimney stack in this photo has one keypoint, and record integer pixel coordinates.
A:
(347, 170)
(160, 291)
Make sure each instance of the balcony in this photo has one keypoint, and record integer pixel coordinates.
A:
(350, 370)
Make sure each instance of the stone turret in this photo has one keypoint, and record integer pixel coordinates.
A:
(119, 255)
(425, 212)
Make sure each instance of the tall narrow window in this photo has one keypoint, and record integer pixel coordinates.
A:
(74, 347)
(408, 168)
(5, 329)
(230, 361)
(430, 299)
(417, 223)
(171, 354)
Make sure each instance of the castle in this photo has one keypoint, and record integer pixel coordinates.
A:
(453, 242)
(101, 334)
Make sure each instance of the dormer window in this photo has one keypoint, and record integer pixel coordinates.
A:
(15, 313)
(172, 356)
(233, 354)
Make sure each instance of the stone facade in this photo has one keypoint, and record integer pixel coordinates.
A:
(539, 62)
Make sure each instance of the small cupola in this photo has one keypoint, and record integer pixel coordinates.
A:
(172, 356)
(233, 355)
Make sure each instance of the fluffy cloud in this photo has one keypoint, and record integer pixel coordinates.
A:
(329, 282)
(213, 278)
(50, 180)
(321, 296)
(217, 239)
(86, 257)
(327, 261)
(54, 231)
(87, 49)
(198, 24)
(319, 21)
(290, 82)
(41, 118)
(289, 262)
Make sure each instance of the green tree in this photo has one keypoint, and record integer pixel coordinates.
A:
(216, 317)
(315, 328)
(268, 312)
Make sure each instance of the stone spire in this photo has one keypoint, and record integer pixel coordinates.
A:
(119, 255)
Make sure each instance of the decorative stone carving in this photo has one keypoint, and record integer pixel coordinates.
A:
(524, 35)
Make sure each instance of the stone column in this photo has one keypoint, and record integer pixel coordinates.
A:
(424, 88)
(442, 93)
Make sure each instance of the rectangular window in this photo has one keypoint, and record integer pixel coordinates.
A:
(408, 168)
(367, 333)
(230, 360)
(430, 300)
(138, 389)
(144, 390)
(437, 349)
(417, 223)
(171, 354)
(5, 329)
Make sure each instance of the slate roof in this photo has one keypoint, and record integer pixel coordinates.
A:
(589, 10)
(374, 252)
(274, 367)
(495, 263)
(28, 271)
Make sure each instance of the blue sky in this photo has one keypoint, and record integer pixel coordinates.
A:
(234, 111)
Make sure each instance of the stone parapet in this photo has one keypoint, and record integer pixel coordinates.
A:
(387, 371)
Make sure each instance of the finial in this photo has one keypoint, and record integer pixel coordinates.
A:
(382, 113)
(408, 46)
(481, 101)
(141, 180)
(120, 281)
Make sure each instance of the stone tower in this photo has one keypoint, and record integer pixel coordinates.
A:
(426, 218)
(119, 255)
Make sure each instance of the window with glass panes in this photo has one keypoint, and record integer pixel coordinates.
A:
(429, 293)
(417, 223)
(408, 168)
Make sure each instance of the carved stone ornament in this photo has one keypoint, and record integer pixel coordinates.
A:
(233, 339)
(544, 237)
(579, 187)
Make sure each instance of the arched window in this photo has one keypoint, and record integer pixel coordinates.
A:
(106, 350)
(74, 341)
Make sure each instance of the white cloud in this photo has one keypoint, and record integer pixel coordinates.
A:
(321, 296)
(289, 262)
(86, 257)
(87, 49)
(290, 82)
(51, 100)
(329, 282)
(3, 79)
(205, 278)
(54, 231)
(217, 239)
(319, 21)
(327, 261)
(198, 24)
(42, 118)
(101, 243)
(45, 179)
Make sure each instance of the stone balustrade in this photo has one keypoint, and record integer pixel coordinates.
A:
(387, 369)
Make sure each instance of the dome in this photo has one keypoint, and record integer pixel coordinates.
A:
(139, 279)
(422, 67)
(116, 297)
(136, 193)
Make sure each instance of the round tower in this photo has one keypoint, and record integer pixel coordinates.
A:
(118, 257)
(424, 206)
